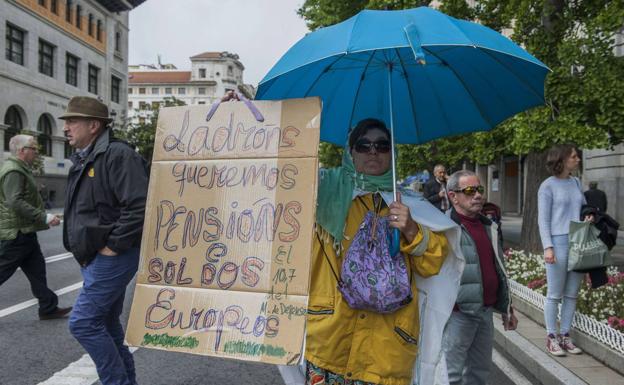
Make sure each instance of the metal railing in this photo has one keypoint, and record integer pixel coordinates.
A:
(600, 331)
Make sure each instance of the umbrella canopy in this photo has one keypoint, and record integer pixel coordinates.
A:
(426, 74)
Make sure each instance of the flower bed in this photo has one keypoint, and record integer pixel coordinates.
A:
(605, 304)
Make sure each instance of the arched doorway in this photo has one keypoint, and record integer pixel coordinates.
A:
(13, 119)
(44, 134)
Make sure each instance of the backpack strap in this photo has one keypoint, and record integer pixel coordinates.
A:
(328, 261)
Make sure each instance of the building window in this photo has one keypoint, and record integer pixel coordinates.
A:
(68, 9)
(130, 90)
(142, 91)
(44, 137)
(12, 119)
(181, 91)
(14, 44)
(115, 87)
(42, 3)
(94, 75)
(155, 91)
(168, 90)
(129, 105)
(71, 69)
(79, 16)
(230, 71)
(54, 7)
(202, 73)
(201, 102)
(90, 25)
(117, 41)
(98, 31)
(142, 105)
(155, 106)
(46, 58)
(201, 90)
(68, 150)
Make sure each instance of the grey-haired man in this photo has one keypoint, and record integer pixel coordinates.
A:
(484, 288)
(22, 214)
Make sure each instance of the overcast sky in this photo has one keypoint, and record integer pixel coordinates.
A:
(259, 31)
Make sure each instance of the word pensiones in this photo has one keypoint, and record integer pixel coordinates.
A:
(259, 223)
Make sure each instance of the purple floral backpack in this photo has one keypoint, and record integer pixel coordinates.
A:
(371, 278)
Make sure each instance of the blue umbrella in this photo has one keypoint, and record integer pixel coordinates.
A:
(426, 74)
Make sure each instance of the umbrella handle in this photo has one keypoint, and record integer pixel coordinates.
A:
(395, 244)
(254, 110)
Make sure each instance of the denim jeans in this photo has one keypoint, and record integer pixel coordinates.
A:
(563, 286)
(94, 321)
(467, 345)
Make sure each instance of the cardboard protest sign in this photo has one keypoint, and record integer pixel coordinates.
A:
(227, 239)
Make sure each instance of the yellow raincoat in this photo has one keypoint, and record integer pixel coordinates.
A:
(358, 344)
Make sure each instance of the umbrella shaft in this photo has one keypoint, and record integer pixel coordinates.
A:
(394, 191)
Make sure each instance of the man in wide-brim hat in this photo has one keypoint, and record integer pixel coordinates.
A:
(84, 109)
(104, 210)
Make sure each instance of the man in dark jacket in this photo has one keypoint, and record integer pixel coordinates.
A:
(596, 198)
(21, 216)
(435, 188)
(483, 287)
(104, 210)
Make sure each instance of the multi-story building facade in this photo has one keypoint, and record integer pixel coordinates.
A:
(54, 50)
(211, 75)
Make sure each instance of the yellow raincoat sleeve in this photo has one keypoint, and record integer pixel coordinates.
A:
(427, 251)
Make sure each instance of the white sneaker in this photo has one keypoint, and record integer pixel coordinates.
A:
(566, 344)
(553, 347)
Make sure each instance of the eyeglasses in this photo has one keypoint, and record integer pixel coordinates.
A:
(32, 148)
(364, 146)
(471, 190)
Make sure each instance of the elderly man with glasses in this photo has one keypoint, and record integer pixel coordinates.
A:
(21, 215)
(483, 289)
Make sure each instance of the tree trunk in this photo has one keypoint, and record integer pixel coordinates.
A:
(535, 174)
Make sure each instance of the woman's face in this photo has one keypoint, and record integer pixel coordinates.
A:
(371, 153)
(572, 162)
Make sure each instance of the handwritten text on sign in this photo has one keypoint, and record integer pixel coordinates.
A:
(227, 235)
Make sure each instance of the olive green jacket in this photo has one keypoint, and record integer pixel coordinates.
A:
(21, 206)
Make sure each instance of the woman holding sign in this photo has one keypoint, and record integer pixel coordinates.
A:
(363, 313)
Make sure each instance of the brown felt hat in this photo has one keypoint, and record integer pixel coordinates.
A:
(86, 107)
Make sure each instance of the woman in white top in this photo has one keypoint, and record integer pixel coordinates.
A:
(559, 201)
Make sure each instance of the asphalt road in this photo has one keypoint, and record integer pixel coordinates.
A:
(32, 351)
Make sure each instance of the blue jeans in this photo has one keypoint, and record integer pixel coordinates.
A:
(94, 321)
(467, 344)
(562, 285)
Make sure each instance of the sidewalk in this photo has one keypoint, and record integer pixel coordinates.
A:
(526, 346)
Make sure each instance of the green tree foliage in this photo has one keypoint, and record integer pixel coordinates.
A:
(142, 135)
(584, 91)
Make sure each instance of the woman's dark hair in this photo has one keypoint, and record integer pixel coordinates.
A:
(557, 155)
(363, 127)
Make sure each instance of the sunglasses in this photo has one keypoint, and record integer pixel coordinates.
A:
(365, 146)
(471, 190)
